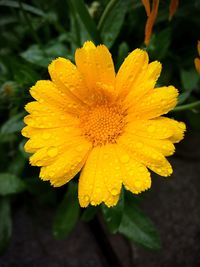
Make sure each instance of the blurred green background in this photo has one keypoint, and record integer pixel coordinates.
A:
(35, 32)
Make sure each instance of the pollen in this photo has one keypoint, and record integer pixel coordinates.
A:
(103, 124)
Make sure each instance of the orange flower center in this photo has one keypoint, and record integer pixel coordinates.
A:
(103, 123)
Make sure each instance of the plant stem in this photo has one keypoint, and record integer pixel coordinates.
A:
(187, 106)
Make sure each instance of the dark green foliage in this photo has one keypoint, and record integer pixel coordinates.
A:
(34, 33)
(67, 213)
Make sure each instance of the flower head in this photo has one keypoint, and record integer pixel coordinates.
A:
(106, 125)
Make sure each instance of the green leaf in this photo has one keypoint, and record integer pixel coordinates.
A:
(183, 97)
(111, 20)
(5, 224)
(122, 54)
(43, 191)
(113, 215)
(189, 79)
(159, 44)
(13, 124)
(136, 226)
(82, 11)
(10, 184)
(67, 213)
(26, 7)
(89, 213)
(17, 165)
(34, 54)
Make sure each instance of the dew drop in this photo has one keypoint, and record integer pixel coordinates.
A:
(46, 136)
(79, 148)
(66, 129)
(124, 158)
(139, 145)
(138, 184)
(52, 151)
(114, 191)
(51, 174)
(86, 198)
(98, 190)
(151, 129)
(93, 203)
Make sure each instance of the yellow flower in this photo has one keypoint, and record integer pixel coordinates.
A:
(107, 126)
(197, 60)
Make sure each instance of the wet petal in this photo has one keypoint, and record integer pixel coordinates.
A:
(158, 102)
(96, 65)
(92, 183)
(136, 177)
(67, 164)
(148, 156)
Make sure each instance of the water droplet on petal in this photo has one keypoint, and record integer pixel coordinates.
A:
(98, 190)
(114, 191)
(139, 145)
(46, 136)
(79, 148)
(66, 129)
(151, 129)
(125, 158)
(138, 184)
(86, 198)
(52, 151)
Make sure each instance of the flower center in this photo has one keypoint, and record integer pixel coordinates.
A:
(103, 123)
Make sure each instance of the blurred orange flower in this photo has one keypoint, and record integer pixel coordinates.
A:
(172, 8)
(197, 60)
(152, 15)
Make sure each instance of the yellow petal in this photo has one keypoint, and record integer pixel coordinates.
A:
(69, 81)
(94, 184)
(136, 177)
(47, 93)
(177, 127)
(110, 168)
(49, 137)
(144, 84)
(134, 66)
(51, 120)
(152, 129)
(67, 165)
(164, 146)
(147, 155)
(38, 110)
(159, 101)
(197, 64)
(96, 65)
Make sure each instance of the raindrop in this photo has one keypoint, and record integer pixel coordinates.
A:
(114, 191)
(52, 151)
(125, 158)
(138, 184)
(46, 136)
(79, 148)
(86, 198)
